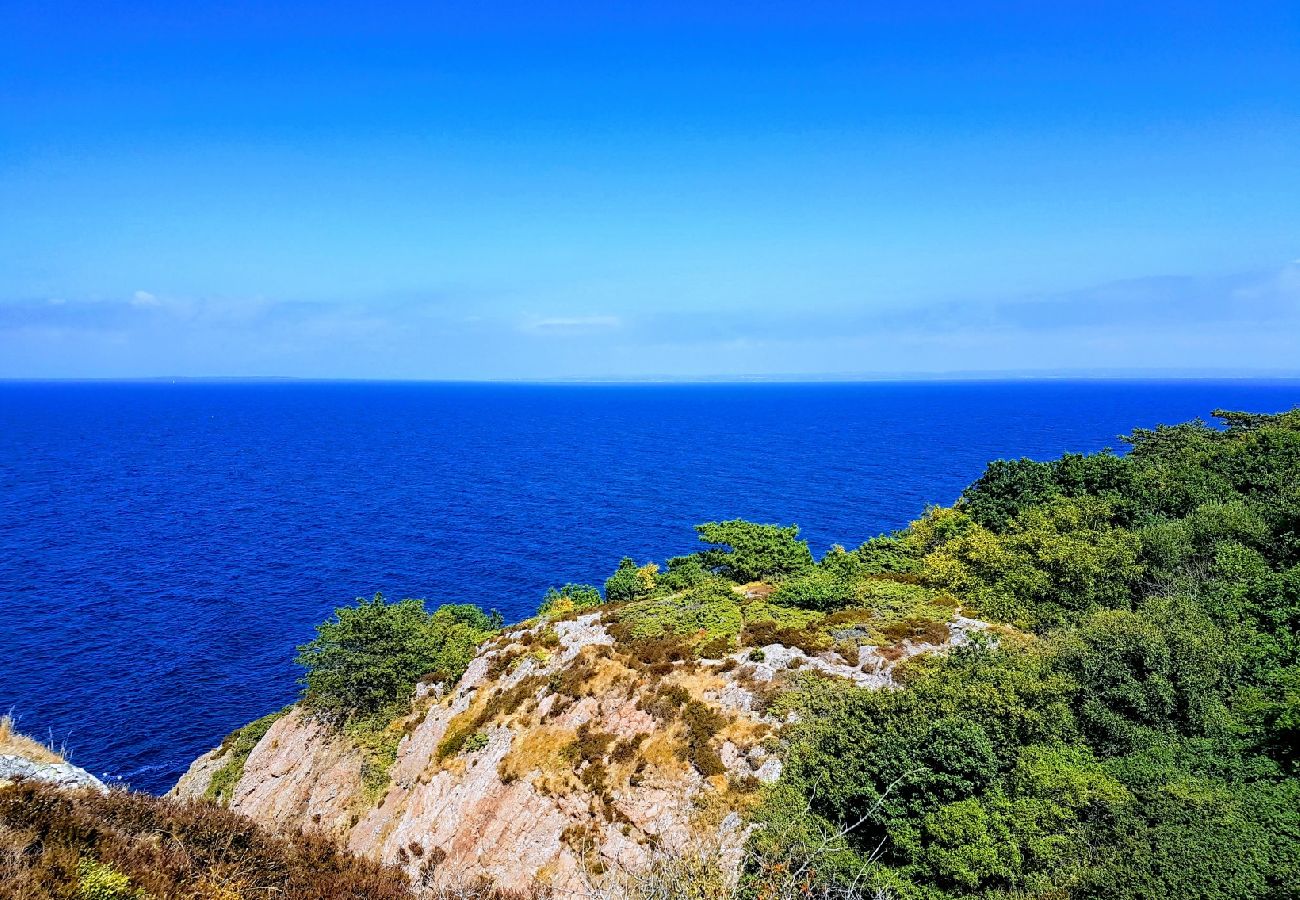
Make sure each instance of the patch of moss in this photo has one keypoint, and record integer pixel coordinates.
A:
(377, 736)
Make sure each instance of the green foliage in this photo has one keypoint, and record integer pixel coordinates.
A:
(709, 610)
(235, 749)
(630, 582)
(475, 742)
(1144, 745)
(1165, 669)
(1009, 487)
(571, 598)
(1051, 562)
(746, 551)
(818, 589)
(370, 656)
(893, 554)
(683, 573)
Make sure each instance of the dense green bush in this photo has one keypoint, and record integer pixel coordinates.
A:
(746, 551)
(1143, 745)
(708, 610)
(371, 655)
(681, 573)
(1053, 561)
(630, 582)
(570, 598)
(818, 589)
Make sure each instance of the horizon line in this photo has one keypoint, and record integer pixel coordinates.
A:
(783, 379)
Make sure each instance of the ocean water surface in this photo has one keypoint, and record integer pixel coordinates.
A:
(164, 547)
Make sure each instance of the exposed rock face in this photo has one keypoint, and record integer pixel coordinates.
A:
(196, 779)
(62, 774)
(554, 758)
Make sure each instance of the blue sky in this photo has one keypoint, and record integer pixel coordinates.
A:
(545, 190)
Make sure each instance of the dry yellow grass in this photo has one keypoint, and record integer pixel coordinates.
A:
(607, 672)
(663, 751)
(14, 744)
(541, 750)
(744, 733)
(699, 683)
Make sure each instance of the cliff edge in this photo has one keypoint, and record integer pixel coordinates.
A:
(562, 756)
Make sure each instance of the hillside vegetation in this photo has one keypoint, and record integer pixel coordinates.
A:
(1082, 680)
(1130, 728)
(85, 845)
(1144, 741)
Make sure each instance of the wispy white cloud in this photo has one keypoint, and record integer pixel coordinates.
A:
(572, 324)
(1247, 321)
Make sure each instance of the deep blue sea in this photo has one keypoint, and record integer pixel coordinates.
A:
(164, 547)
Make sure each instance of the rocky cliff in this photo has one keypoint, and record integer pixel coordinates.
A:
(59, 774)
(24, 759)
(560, 757)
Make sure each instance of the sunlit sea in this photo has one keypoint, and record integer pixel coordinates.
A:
(164, 547)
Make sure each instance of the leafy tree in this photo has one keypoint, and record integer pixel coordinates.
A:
(682, 573)
(746, 551)
(569, 599)
(371, 655)
(630, 582)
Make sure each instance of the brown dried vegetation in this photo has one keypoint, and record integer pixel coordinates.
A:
(14, 744)
(185, 851)
(502, 700)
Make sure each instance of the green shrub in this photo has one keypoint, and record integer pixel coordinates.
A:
(708, 611)
(746, 551)
(475, 742)
(817, 590)
(630, 582)
(97, 881)
(571, 598)
(682, 573)
(370, 656)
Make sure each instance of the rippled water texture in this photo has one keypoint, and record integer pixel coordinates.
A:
(165, 547)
